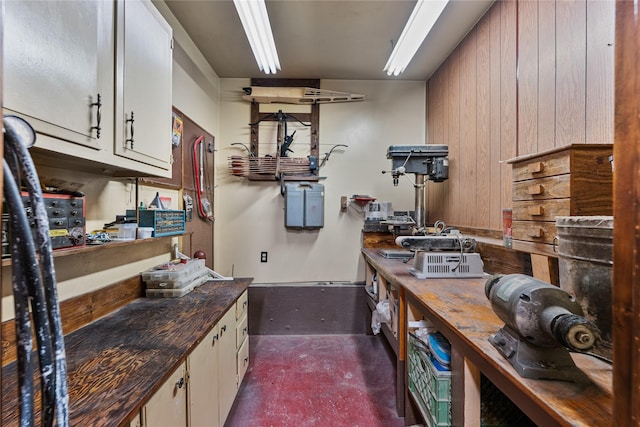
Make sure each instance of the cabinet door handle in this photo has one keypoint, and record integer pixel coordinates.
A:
(535, 189)
(180, 382)
(536, 210)
(130, 140)
(97, 104)
(536, 167)
(223, 329)
(215, 338)
(535, 232)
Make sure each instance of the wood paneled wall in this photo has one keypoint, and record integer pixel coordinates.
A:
(530, 76)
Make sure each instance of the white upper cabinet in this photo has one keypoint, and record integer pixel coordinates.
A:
(76, 70)
(53, 52)
(143, 84)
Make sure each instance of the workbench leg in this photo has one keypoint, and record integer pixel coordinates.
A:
(465, 391)
(545, 268)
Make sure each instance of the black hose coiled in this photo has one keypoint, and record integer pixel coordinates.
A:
(40, 285)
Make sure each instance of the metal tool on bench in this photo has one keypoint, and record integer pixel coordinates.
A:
(426, 160)
(542, 324)
(442, 256)
(438, 255)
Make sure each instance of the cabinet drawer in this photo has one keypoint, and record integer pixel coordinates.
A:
(242, 304)
(243, 361)
(534, 231)
(553, 187)
(543, 210)
(242, 331)
(539, 167)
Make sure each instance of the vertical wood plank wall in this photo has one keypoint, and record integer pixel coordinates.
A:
(530, 76)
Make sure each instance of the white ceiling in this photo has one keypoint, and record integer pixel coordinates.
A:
(325, 39)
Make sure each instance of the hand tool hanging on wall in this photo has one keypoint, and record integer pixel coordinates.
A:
(199, 165)
(325, 159)
(33, 280)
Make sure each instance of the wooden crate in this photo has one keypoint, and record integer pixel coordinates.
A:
(573, 180)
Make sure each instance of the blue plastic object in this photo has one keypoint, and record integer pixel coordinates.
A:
(440, 349)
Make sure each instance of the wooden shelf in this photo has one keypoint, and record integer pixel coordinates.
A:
(287, 178)
(106, 246)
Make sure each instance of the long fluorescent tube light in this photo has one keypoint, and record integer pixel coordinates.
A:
(424, 16)
(255, 21)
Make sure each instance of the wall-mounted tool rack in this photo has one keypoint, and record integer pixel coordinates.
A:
(313, 118)
(282, 167)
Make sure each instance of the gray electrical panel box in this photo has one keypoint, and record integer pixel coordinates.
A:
(304, 205)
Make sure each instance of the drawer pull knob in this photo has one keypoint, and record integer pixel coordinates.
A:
(536, 210)
(536, 232)
(535, 167)
(535, 189)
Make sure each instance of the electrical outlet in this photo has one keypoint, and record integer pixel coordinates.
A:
(263, 257)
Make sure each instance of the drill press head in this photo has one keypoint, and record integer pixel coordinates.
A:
(426, 159)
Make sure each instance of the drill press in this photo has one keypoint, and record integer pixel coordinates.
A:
(425, 161)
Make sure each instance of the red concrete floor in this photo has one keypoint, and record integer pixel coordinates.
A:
(317, 380)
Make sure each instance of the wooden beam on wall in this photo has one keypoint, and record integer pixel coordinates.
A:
(626, 237)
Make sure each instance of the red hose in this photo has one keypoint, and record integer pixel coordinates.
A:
(196, 172)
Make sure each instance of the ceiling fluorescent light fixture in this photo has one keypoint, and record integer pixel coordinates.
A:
(255, 21)
(422, 19)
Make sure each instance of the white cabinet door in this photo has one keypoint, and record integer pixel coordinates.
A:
(168, 406)
(52, 60)
(203, 382)
(227, 369)
(136, 421)
(143, 109)
(243, 360)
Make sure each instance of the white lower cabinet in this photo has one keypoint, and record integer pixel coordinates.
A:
(200, 393)
(242, 336)
(168, 406)
(136, 422)
(203, 381)
(227, 367)
(243, 360)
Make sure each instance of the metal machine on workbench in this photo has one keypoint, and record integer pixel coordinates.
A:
(443, 252)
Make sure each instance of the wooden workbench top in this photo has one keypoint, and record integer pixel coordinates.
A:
(461, 311)
(116, 364)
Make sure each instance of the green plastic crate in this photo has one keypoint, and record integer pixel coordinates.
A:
(430, 388)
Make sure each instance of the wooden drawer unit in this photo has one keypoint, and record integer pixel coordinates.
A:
(573, 180)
